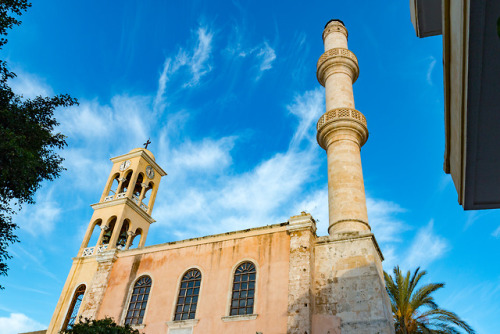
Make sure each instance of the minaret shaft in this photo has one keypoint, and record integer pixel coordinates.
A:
(341, 132)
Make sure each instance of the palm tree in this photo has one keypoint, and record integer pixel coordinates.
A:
(415, 311)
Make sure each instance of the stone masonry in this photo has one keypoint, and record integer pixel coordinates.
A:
(302, 231)
(99, 284)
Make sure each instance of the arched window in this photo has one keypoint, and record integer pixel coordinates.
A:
(188, 295)
(138, 301)
(243, 297)
(74, 307)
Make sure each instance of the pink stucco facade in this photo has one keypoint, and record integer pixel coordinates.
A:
(216, 258)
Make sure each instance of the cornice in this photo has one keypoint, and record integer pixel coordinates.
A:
(126, 201)
(143, 155)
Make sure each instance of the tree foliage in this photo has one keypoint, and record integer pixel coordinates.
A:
(103, 326)
(414, 309)
(28, 143)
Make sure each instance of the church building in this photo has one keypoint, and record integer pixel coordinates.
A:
(280, 278)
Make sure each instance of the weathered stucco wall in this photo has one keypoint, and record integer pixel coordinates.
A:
(216, 259)
(82, 271)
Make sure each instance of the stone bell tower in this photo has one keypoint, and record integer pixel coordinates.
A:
(121, 221)
(350, 296)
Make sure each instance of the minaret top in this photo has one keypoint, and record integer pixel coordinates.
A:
(334, 20)
(335, 35)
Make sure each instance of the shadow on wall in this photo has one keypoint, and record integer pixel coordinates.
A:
(351, 301)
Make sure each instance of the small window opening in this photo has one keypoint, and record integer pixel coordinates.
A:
(122, 238)
(107, 235)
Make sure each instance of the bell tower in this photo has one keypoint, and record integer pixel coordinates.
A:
(120, 221)
(123, 213)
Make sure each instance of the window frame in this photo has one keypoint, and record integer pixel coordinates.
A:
(178, 289)
(178, 294)
(71, 305)
(231, 284)
(129, 298)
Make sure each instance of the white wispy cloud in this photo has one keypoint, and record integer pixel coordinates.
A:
(196, 59)
(384, 221)
(19, 323)
(267, 193)
(266, 56)
(198, 63)
(426, 247)
(430, 69)
(496, 233)
(40, 219)
(263, 53)
(307, 107)
(29, 85)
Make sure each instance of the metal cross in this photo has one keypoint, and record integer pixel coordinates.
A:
(147, 143)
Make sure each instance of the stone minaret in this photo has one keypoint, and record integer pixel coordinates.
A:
(341, 132)
(350, 294)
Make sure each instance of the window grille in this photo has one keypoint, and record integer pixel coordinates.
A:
(138, 301)
(74, 307)
(188, 295)
(243, 297)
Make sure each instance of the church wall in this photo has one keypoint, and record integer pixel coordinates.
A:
(216, 258)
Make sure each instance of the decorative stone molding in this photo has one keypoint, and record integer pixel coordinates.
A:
(345, 119)
(339, 113)
(131, 233)
(239, 317)
(141, 326)
(182, 323)
(303, 221)
(107, 256)
(337, 60)
(335, 26)
(105, 227)
(124, 200)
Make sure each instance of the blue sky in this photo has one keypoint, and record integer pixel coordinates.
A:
(227, 91)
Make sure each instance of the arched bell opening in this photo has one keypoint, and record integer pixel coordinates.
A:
(96, 231)
(122, 237)
(136, 195)
(136, 239)
(126, 182)
(113, 187)
(109, 231)
(147, 195)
